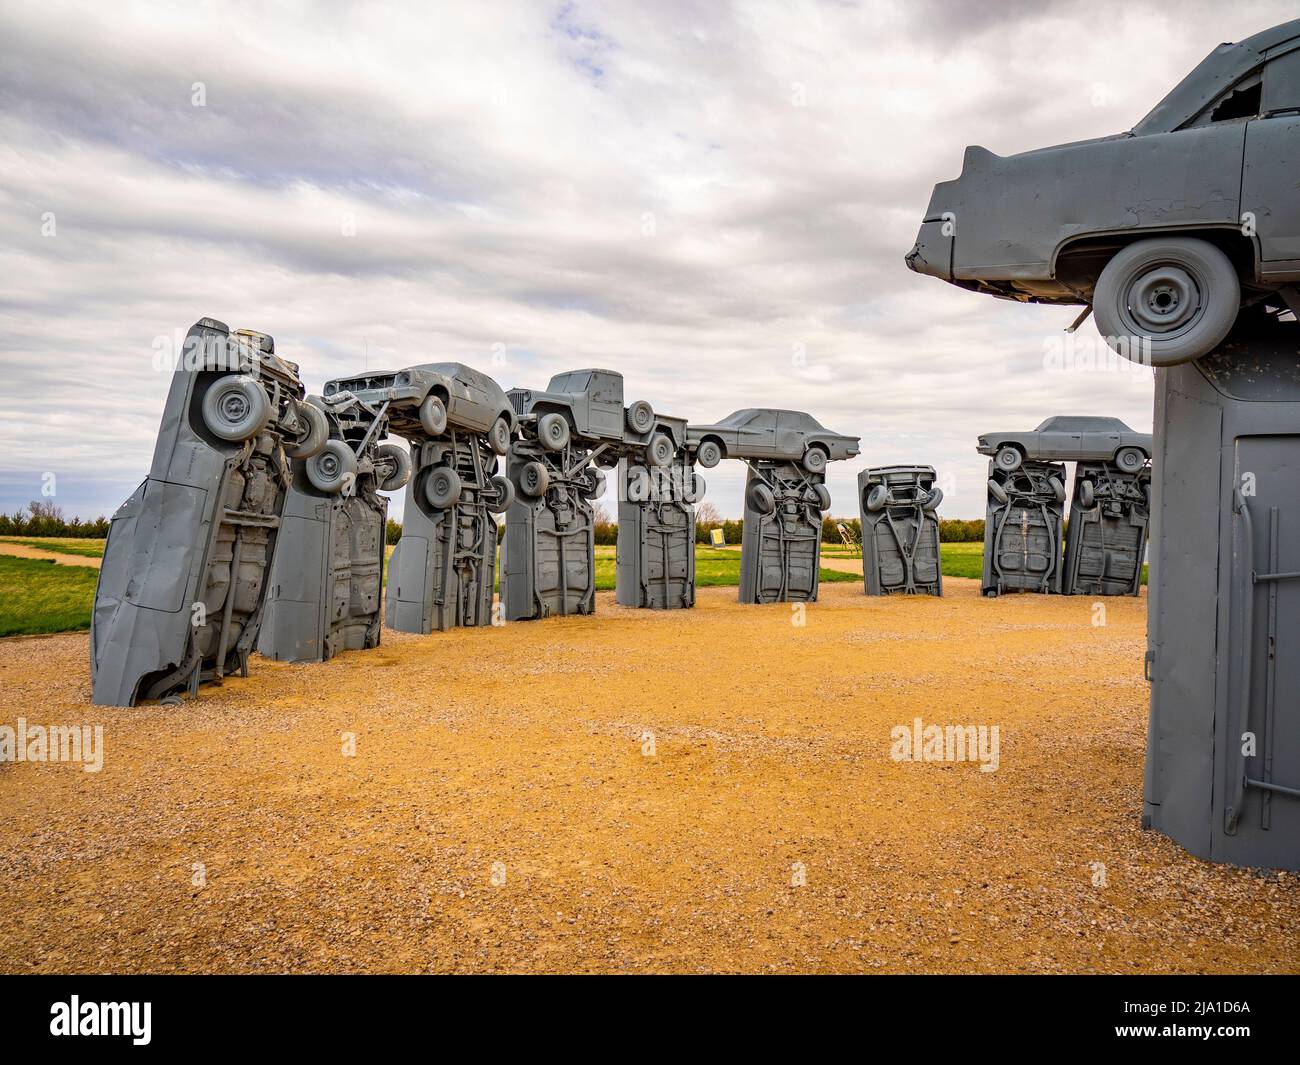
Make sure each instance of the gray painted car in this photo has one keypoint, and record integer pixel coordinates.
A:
(426, 399)
(763, 433)
(588, 405)
(1070, 438)
(1164, 231)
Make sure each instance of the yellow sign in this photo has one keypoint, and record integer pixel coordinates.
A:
(716, 538)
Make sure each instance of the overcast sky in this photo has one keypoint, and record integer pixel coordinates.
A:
(714, 199)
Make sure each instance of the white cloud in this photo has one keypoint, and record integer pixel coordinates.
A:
(502, 163)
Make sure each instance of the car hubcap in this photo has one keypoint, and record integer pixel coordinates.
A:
(234, 406)
(1164, 299)
(328, 465)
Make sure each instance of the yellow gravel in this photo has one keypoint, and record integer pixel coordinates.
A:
(515, 754)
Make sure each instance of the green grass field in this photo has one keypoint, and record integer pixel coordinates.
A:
(60, 545)
(37, 596)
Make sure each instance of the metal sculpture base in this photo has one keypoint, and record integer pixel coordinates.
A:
(443, 570)
(1106, 542)
(900, 531)
(183, 581)
(1023, 529)
(1223, 745)
(548, 556)
(656, 535)
(780, 550)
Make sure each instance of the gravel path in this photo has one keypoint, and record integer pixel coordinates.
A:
(770, 831)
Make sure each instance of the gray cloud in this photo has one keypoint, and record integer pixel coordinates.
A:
(502, 164)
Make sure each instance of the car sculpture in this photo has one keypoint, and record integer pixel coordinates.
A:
(762, 433)
(1070, 438)
(1165, 231)
(425, 400)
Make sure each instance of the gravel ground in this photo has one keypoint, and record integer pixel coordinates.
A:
(499, 813)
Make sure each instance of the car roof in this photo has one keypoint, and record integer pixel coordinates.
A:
(1082, 423)
(1219, 70)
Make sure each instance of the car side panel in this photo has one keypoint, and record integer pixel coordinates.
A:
(1269, 192)
(1013, 214)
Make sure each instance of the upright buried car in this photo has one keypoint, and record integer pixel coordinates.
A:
(1070, 438)
(778, 435)
(1164, 231)
(183, 581)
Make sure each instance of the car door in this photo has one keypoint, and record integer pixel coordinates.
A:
(1270, 190)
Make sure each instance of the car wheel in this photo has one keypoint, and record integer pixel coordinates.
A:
(1058, 488)
(640, 417)
(505, 495)
(398, 460)
(433, 416)
(997, 491)
(1008, 458)
(659, 452)
(709, 454)
(693, 488)
(1087, 495)
(499, 436)
(333, 469)
(442, 487)
(595, 487)
(877, 498)
(1130, 459)
(1177, 297)
(815, 459)
(553, 431)
(822, 497)
(534, 479)
(760, 498)
(313, 440)
(933, 500)
(236, 408)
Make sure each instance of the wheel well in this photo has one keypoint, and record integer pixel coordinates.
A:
(820, 445)
(441, 392)
(1078, 263)
(716, 440)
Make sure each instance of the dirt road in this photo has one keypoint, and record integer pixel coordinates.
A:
(689, 791)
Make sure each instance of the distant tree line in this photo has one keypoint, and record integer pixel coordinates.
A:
(950, 531)
(43, 518)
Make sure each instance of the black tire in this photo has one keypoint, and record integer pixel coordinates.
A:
(709, 454)
(815, 459)
(499, 435)
(1130, 459)
(1008, 458)
(534, 479)
(1178, 295)
(553, 431)
(1087, 495)
(236, 408)
(442, 487)
(503, 495)
(997, 491)
(877, 498)
(659, 451)
(640, 416)
(760, 498)
(333, 469)
(433, 416)
(313, 440)
(400, 461)
(933, 500)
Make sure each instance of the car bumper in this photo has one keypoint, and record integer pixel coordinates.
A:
(932, 253)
